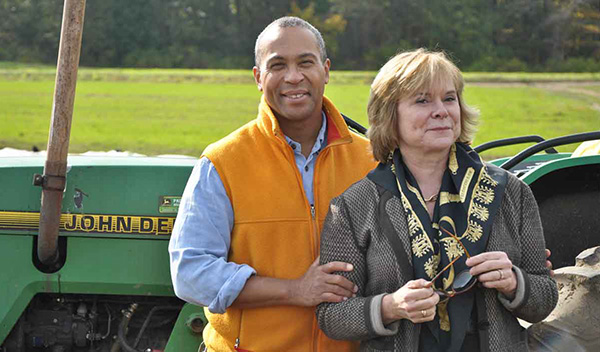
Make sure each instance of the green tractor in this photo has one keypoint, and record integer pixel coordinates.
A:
(110, 286)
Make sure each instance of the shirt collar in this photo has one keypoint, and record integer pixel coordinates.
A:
(320, 142)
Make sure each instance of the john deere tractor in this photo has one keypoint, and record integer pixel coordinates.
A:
(110, 286)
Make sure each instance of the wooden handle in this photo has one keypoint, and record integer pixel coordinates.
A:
(60, 126)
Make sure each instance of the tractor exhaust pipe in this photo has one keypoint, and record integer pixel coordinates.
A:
(53, 180)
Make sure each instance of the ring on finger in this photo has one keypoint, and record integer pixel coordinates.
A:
(424, 313)
(501, 274)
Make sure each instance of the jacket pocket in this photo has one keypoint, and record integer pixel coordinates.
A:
(380, 344)
(521, 343)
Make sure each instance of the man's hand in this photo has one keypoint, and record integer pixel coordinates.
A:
(319, 285)
(548, 262)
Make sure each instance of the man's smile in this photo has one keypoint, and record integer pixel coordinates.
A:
(295, 95)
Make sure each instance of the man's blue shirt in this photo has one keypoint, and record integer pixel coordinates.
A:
(202, 233)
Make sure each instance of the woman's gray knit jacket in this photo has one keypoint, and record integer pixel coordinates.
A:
(357, 230)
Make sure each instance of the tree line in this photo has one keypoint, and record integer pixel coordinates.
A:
(480, 35)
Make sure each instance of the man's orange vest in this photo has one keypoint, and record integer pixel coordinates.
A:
(276, 231)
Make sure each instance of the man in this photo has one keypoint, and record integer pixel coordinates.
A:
(246, 239)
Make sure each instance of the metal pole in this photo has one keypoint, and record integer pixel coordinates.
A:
(54, 179)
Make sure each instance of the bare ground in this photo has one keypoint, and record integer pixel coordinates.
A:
(576, 88)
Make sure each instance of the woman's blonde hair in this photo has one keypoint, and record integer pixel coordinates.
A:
(403, 76)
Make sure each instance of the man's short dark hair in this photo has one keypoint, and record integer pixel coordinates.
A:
(289, 22)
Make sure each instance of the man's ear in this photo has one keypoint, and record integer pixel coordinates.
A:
(256, 73)
(327, 66)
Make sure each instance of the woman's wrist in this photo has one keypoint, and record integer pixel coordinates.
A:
(510, 291)
(387, 309)
(519, 295)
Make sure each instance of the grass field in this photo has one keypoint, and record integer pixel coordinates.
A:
(18, 71)
(181, 111)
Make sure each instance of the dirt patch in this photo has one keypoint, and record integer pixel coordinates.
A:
(575, 88)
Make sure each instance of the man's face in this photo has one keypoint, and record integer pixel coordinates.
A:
(291, 74)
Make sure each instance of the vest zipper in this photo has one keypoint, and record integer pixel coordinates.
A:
(312, 207)
(237, 340)
(237, 346)
(313, 214)
(316, 338)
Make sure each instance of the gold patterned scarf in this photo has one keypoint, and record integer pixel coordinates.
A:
(469, 197)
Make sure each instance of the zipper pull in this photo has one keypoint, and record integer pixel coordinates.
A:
(312, 211)
(237, 346)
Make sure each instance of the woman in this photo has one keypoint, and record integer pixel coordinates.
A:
(447, 251)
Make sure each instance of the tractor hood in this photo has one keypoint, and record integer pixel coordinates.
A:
(105, 195)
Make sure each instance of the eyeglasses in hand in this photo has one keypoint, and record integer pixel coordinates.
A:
(462, 283)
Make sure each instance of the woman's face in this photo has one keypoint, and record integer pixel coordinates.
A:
(429, 121)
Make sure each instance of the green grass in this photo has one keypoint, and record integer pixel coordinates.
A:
(142, 117)
(152, 118)
(37, 72)
(514, 111)
(530, 77)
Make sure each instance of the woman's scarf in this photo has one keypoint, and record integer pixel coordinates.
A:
(469, 196)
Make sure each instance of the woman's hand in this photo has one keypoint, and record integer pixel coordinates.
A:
(414, 301)
(494, 270)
